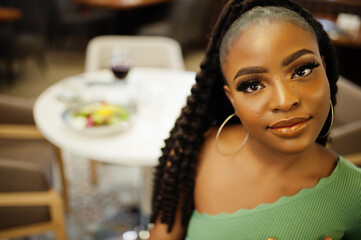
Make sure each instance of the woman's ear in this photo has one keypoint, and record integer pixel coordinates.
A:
(229, 94)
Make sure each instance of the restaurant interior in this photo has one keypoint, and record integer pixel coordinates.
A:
(62, 183)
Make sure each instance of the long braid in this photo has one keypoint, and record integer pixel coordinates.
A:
(208, 105)
(190, 126)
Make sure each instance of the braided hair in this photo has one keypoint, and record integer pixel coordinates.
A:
(208, 106)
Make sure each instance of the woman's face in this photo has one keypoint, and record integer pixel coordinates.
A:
(278, 86)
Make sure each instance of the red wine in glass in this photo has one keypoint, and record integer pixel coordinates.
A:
(120, 71)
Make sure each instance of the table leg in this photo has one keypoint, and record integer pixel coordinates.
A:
(93, 172)
(64, 182)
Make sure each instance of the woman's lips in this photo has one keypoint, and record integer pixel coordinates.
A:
(289, 128)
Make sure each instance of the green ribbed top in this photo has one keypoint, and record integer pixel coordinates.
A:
(331, 208)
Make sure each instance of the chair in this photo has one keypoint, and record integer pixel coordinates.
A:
(346, 134)
(186, 22)
(25, 37)
(143, 51)
(29, 204)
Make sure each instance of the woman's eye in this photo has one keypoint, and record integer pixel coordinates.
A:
(304, 70)
(250, 86)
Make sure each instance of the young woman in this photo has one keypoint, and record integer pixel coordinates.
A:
(246, 158)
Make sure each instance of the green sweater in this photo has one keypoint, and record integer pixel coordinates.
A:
(331, 208)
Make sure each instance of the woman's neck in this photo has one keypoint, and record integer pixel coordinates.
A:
(267, 159)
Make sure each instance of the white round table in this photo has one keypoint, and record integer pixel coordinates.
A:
(160, 94)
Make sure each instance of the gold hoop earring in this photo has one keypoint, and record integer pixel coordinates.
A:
(219, 132)
(332, 116)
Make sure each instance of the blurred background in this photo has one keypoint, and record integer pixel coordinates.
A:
(45, 41)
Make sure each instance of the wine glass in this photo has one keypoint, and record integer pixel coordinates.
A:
(120, 63)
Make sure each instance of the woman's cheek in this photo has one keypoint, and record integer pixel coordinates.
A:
(315, 93)
(251, 112)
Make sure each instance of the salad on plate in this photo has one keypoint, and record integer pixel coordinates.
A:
(100, 117)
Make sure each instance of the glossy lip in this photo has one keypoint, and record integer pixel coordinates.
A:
(289, 128)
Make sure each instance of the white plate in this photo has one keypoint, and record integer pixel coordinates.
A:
(78, 124)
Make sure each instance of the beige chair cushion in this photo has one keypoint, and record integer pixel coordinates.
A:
(17, 175)
(38, 153)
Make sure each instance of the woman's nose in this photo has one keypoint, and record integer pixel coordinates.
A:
(284, 97)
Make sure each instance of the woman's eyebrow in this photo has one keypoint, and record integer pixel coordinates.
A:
(289, 59)
(250, 70)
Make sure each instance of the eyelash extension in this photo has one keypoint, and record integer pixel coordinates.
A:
(311, 65)
(242, 86)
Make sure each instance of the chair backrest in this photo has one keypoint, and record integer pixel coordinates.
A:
(16, 110)
(143, 51)
(346, 133)
(347, 109)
